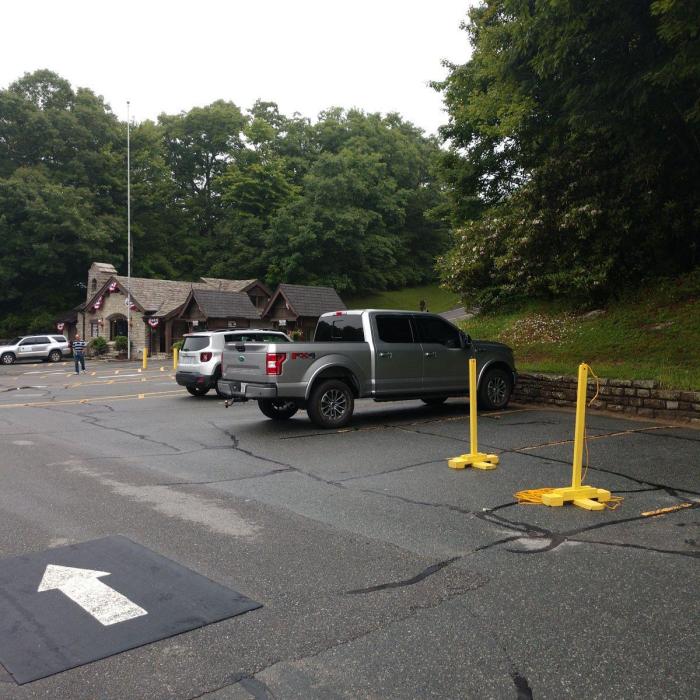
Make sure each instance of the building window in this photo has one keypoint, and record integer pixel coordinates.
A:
(94, 284)
(94, 329)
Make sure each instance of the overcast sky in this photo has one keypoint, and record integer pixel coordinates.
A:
(306, 55)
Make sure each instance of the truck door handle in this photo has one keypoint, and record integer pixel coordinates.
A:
(387, 355)
(431, 354)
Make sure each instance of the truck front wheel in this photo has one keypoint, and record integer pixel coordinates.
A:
(495, 389)
(331, 404)
(277, 409)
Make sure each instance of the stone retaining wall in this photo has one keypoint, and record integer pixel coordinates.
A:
(639, 397)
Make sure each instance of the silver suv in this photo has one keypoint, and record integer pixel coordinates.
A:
(49, 348)
(199, 361)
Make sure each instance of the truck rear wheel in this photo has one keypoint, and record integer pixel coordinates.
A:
(331, 404)
(277, 409)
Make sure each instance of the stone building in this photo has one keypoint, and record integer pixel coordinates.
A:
(157, 313)
(152, 312)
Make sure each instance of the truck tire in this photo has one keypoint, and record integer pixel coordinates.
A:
(495, 389)
(434, 400)
(277, 409)
(331, 404)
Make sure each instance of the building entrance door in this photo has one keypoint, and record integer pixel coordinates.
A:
(118, 326)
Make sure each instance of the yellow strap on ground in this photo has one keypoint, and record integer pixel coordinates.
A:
(534, 497)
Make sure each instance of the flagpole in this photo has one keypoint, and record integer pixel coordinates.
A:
(128, 230)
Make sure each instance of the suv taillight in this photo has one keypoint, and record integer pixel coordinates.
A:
(204, 356)
(273, 362)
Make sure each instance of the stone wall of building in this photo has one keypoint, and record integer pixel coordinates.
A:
(638, 397)
(113, 306)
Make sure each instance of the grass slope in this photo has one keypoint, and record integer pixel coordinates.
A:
(651, 333)
(437, 299)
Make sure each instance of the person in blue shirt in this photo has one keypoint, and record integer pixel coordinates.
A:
(79, 353)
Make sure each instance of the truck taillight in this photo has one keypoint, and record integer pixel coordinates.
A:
(204, 356)
(273, 362)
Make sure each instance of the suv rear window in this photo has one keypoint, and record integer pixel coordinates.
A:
(344, 329)
(256, 338)
(59, 338)
(195, 342)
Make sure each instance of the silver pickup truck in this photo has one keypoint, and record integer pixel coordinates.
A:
(384, 355)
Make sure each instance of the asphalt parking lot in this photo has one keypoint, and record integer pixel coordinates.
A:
(381, 572)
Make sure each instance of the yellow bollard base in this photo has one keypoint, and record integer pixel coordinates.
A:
(587, 497)
(478, 460)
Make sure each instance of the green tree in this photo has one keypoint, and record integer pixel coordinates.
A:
(200, 144)
(573, 146)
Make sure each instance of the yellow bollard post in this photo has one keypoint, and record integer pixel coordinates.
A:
(587, 497)
(476, 459)
(174, 358)
(145, 358)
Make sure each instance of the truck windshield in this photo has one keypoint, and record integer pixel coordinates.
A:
(195, 342)
(345, 329)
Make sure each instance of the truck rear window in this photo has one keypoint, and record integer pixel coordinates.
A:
(345, 329)
(195, 342)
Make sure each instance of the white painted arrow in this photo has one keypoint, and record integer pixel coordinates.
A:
(83, 587)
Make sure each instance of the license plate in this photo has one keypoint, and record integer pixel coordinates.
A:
(187, 360)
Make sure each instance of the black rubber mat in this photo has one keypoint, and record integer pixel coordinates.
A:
(72, 605)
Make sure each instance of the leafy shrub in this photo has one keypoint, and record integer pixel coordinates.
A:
(177, 346)
(98, 346)
(121, 343)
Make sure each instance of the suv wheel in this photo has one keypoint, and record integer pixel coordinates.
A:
(7, 359)
(55, 356)
(277, 409)
(198, 390)
(331, 404)
(495, 389)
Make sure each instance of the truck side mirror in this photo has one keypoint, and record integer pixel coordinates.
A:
(465, 339)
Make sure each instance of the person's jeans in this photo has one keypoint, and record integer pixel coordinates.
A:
(79, 362)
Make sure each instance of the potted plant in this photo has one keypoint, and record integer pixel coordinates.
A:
(121, 343)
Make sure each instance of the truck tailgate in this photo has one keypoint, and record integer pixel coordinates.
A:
(245, 361)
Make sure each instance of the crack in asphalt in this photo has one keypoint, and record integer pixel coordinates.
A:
(522, 687)
(402, 616)
(389, 471)
(428, 571)
(256, 688)
(272, 472)
(95, 422)
(693, 554)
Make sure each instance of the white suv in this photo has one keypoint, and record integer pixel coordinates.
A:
(199, 361)
(42, 347)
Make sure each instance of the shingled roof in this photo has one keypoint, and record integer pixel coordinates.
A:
(228, 285)
(216, 304)
(158, 297)
(308, 301)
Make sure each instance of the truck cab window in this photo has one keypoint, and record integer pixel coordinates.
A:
(432, 329)
(394, 329)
